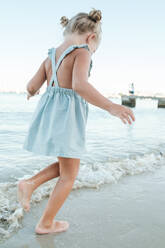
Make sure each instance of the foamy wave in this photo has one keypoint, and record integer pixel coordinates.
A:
(94, 175)
(90, 175)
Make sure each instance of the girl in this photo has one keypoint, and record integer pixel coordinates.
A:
(59, 121)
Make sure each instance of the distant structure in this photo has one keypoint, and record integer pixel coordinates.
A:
(131, 88)
(130, 99)
(161, 103)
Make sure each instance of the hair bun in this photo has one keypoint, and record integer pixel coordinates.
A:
(64, 21)
(95, 15)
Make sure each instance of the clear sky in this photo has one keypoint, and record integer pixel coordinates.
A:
(132, 47)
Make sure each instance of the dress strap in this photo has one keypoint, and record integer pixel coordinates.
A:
(55, 66)
(53, 61)
(68, 50)
(91, 64)
(51, 54)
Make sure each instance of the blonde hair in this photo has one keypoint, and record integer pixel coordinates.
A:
(83, 22)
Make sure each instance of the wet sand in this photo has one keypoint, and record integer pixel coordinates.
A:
(123, 215)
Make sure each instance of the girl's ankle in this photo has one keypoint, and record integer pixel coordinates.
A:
(45, 224)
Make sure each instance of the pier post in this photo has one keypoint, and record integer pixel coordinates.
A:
(161, 103)
(128, 100)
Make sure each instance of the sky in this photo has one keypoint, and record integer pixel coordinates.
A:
(132, 48)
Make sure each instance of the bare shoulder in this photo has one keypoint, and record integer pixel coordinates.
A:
(82, 51)
(82, 55)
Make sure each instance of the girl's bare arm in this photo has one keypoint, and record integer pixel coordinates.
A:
(37, 80)
(81, 85)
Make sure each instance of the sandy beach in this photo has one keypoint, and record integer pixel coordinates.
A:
(127, 214)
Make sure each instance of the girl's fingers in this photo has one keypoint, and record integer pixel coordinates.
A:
(131, 114)
(122, 119)
(126, 116)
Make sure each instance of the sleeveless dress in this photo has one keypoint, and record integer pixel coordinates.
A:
(58, 124)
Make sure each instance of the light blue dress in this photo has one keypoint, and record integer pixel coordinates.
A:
(58, 124)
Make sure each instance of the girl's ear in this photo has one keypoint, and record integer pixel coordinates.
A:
(91, 37)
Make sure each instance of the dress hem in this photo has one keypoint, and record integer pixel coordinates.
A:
(71, 155)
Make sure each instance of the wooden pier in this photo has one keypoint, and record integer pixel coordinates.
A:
(130, 100)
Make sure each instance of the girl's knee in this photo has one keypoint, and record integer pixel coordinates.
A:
(69, 179)
(69, 167)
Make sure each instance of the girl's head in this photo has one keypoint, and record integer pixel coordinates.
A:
(84, 27)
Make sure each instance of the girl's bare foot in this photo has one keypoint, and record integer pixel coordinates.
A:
(57, 226)
(24, 192)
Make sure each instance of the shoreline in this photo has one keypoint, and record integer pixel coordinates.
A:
(127, 214)
(118, 95)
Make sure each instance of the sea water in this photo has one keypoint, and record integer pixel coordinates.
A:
(114, 149)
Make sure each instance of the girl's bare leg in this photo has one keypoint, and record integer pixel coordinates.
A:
(68, 171)
(27, 186)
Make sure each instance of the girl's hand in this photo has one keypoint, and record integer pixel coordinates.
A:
(30, 95)
(122, 112)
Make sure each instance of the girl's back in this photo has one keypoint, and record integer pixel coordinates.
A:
(64, 73)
